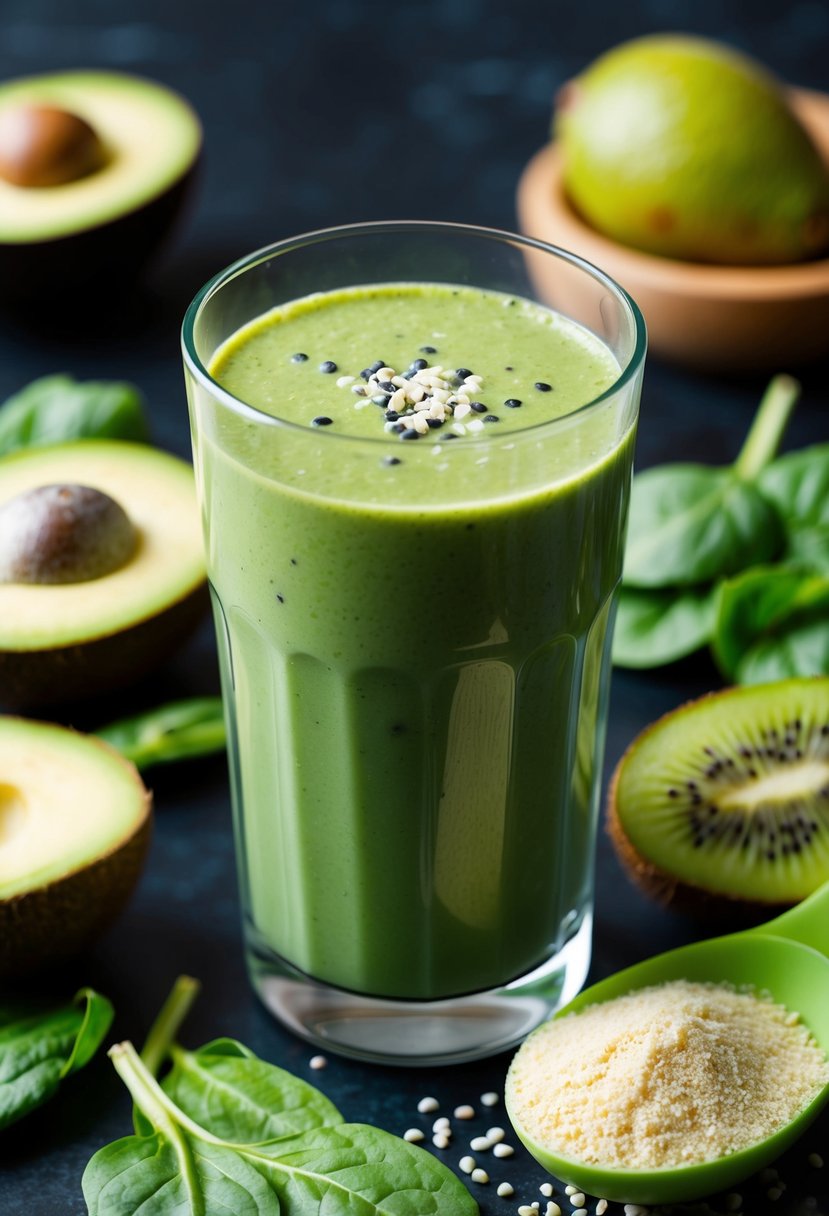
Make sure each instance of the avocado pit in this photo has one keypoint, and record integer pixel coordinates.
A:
(43, 146)
(57, 534)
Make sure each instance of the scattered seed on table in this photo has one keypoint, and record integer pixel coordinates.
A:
(571, 1190)
(495, 1135)
(440, 1140)
(526, 1210)
(464, 1112)
(503, 1150)
(601, 1207)
(552, 1209)
(815, 1160)
(480, 1144)
(546, 1189)
(299, 357)
(577, 1199)
(505, 1190)
(427, 1105)
(441, 1125)
(315, 1061)
(480, 1176)
(490, 1098)
(467, 1164)
(328, 366)
(414, 1135)
(543, 387)
(321, 420)
(579, 1212)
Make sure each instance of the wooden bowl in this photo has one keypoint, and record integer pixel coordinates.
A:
(711, 317)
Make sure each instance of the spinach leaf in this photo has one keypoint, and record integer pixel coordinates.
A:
(798, 486)
(771, 623)
(658, 627)
(40, 1047)
(692, 523)
(56, 409)
(178, 731)
(227, 1132)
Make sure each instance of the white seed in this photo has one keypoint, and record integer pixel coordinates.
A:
(579, 1212)
(414, 1135)
(464, 1112)
(578, 1200)
(436, 411)
(601, 1207)
(546, 1189)
(480, 1144)
(475, 425)
(385, 373)
(419, 423)
(552, 1209)
(495, 1135)
(571, 1190)
(480, 1176)
(344, 381)
(503, 1150)
(415, 393)
(490, 1098)
(440, 1140)
(635, 1209)
(473, 383)
(426, 1105)
(467, 1164)
(815, 1160)
(317, 1062)
(505, 1190)
(397, 401)
(441, 1125)
(459, 428)
(526, 1210)
(358, 390)
(399, 382)
(463, 409)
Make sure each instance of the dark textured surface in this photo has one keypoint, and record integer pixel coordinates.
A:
(319, 114)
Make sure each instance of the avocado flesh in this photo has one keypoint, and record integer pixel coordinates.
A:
(66, 642)
(75, 823)
(151, 137)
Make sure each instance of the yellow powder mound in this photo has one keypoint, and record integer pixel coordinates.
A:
(669, 1075)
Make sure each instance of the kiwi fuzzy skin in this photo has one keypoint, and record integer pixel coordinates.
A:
(666, 888)
(53, 923)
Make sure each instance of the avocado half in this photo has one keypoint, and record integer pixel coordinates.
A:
(101, 227)
(75, 823)
(62, 642)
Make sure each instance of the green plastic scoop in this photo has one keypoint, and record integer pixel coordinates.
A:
(787, 957)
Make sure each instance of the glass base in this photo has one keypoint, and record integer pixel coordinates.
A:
(420, 1032)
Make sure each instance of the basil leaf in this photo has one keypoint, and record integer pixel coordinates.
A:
(178, 731)
(657, 627)
(56, 409)
(40, 1047)
(691, 524)
(798, 486)
(233, 1094)
(771, 623)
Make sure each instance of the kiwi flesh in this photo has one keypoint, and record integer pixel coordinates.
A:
(725, 801)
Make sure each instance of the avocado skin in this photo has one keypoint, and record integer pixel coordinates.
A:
(87, 267)
(52, 924)
(31, 679)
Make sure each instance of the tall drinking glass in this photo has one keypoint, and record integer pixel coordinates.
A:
(414, 636)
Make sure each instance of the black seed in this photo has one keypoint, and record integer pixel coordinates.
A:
(434, 423)
(492, 418)
(462, 372)
(321, 421)
(391, 415)
(449, 436)
(409, 434)
(387, 386)
(328, 366)
(429, 350)
(365, 373)
(380, 400)
(478, 407)
(672, 793)
(376, 365)
(512, 403)
(392, 460)
(281, 598)
(508, 369)
(408, 375)
(417, 365)
(691, 785)
(399, 428)
(293, 561)
(299, 357)
(542, 387)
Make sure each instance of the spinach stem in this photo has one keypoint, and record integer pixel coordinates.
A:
(151, 1099)
(768, 427)
(166, 1026)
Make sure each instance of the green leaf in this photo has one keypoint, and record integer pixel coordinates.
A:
(178, 731)
(691, 524)
(56, 409)
(40, 1047)
(798, 486)
(234, 1095)
(773, 622)
(657, 627)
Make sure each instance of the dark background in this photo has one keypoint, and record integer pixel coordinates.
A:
(318, 114)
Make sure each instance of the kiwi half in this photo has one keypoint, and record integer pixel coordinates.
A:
(726, 799)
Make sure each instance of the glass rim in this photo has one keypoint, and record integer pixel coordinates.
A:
(199, 371)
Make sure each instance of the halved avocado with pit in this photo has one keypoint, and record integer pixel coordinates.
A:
(74, 828)
(94, 168)
(65, 640)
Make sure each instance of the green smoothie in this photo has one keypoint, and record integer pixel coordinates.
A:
(412, 619)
